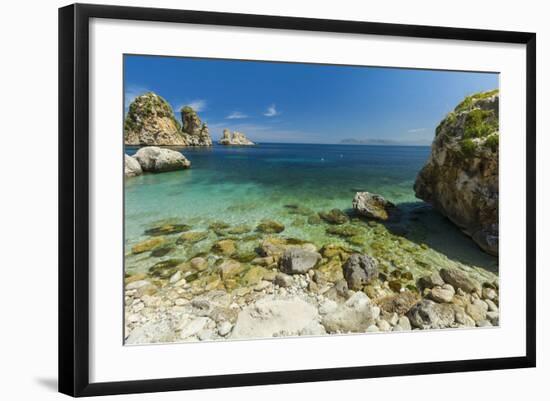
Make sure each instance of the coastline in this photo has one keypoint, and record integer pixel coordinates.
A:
(229, 195)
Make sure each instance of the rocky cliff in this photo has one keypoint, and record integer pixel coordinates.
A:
(194, 129)
(151, 122)
(460, 178)
(235, 139)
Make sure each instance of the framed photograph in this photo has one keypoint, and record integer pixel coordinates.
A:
(250, 199)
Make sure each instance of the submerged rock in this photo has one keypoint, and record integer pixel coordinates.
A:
(461, 177)
(298, 261)
(167, 229)
(334, 216)
(132, 167)
(345, 231)
(192, 237)
(235, 139)
(156, 160)
(372, 206)
(148, 245)
(270, 227)
(359, 270)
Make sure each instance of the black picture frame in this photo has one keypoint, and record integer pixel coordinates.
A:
(74, 198)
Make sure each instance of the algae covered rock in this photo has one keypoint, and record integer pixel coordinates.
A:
(334, 216)
(156, 160)
(460, 178)
(270, 227)
(373, 206)
(148, 245)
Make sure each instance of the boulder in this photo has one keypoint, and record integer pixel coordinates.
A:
(359, 270)
(399, 303)
(298, 261)
(430, 315)
(461, 178)
(429, 281)
(442, 294)
(459, 279)
(355, 315)
(131, 167)
(372, 206)
(156, 160)
(234, 139)
(273, 317)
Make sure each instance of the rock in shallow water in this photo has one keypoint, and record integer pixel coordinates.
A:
(334, 216)
(373, 206)
(131, 167)
(155, 160)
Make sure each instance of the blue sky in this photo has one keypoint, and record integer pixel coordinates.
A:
(306, 103)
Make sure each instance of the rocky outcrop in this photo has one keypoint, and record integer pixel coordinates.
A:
(372, 206)
(195, 131)
(155, 160)
(150, 121)
(132, 167)
(460, 178)
(235, 139)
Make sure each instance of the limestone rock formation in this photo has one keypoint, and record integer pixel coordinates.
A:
(151, 122)
(194, 129)
(154, 159)
(460, 178)
(235, 139)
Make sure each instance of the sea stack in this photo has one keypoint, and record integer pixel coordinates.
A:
(460, 178)
(235, 139)
(151, 122)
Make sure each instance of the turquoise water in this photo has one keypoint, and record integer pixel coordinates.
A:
(243, 185)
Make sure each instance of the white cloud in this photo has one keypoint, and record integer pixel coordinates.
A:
(271, 111)
(416, 130)
(236, 115)
(197, 104)
(131, 92)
